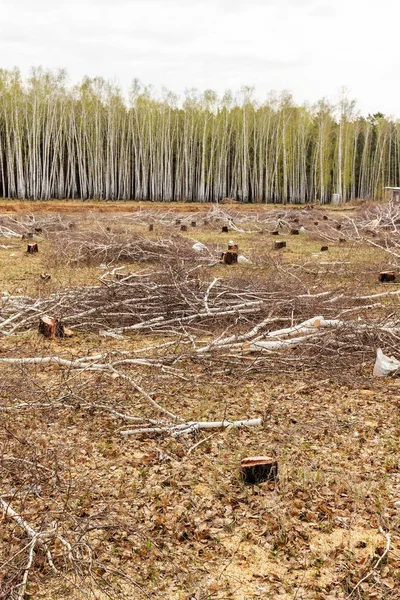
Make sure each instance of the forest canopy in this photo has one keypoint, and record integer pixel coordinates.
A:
(91, 141)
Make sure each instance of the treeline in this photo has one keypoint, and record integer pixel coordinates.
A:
(88, 141)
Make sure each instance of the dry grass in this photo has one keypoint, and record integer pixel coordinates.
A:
(181, 524)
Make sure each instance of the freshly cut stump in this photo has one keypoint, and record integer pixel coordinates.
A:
(387, 276)
(256, 469)
(51, 327)
(32, 248)
(279, 245)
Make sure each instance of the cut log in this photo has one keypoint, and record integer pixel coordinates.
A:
(387, 276)
(294, 232)
(279, 245)
(32, 248)
(256, 469)
(225, 229)
(183, 227)
(324, 248)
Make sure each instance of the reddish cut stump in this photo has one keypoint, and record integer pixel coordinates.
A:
(294, 232)
(256, 469)
(279, 245)
(225, 229)
(183, 227)
(324, 248)
(51, 327)
(32, 248)
(387, 276)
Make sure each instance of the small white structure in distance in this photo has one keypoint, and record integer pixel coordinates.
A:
(393, 194)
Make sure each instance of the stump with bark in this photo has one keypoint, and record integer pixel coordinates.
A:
(387, 276)
(279, 245)
(51, 327)
(32, 248)
(256, 469)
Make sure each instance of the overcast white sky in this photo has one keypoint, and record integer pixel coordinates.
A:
(310, 47)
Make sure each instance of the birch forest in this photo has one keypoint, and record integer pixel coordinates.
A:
(91, 141)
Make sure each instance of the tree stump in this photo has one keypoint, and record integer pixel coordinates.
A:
(193, 224)
(296, 220)
(338, 226)
(51, 327)
(325, 217)
(342, 240)
(29, 235)
(316, 223)
(256, 469)
(294, 232)
(276, 232)
(177, 222)
(324, 248)
(279, 245)
(38, 230)
(225, 229)
(183, 227)
(32, 248)
(387, 276)
(72, 225)
(151, 227)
